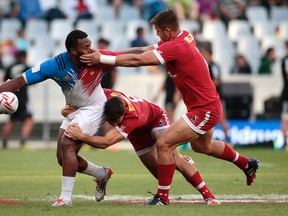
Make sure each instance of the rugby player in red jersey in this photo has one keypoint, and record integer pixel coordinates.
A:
(188, 70)
(142, 123)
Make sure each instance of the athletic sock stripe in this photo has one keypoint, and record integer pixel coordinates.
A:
(202, 184)
(164, 187)
(236, 157)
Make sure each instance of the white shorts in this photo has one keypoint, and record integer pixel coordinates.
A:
(89, 119)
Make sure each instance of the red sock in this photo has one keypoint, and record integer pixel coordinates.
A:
(165, 176)
(197, 182)
(231, 155)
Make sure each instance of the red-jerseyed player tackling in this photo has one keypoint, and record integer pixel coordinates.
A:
(142, 123)
(188, 70)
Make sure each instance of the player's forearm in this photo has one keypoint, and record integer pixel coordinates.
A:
(96, 141)
(13, 85)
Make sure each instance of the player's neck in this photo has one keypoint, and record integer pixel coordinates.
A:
(176, 34)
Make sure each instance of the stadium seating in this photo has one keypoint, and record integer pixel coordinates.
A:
(59, 28)
(250, 48)
(278, 14)
(264, 29)
(283, 30)
(273, 41)
(36, 28)
(245, 37)
(214, 30)
(190, 25)
(9, 28)
(91, 27)
(238, 29)
(132, 25)
(256, 14)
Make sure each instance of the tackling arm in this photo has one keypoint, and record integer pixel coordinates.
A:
(135, 60)
(112, 137)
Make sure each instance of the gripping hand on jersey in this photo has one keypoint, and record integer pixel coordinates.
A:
(91, 58)
(67, 110)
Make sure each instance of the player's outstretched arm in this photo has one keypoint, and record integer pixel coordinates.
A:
(125, 60)
(138, 49)
(13, 85)
(112, 137)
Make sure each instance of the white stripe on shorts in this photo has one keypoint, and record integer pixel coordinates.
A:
(192, 126)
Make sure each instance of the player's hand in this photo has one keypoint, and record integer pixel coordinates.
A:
(74, 132)
(91, 58)
(67, 109)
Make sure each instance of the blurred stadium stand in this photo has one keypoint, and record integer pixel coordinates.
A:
(245, 37)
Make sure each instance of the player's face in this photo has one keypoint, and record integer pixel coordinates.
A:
(117, 122)
(163, 34)
(83, 47)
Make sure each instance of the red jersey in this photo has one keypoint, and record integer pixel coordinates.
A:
(140, 115)
(188, 70)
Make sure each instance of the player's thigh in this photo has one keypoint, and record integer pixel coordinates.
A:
(59, 152)
(179, 132)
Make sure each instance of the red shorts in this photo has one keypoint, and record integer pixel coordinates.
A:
(202, 119)
(142, 138)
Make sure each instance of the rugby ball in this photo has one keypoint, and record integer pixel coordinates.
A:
(8, 103)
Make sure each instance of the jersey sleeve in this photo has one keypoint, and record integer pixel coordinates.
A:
(41, 72)
(127, 126)
(166, 52)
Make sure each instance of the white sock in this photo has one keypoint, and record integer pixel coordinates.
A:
(94, 170)
(67, 187)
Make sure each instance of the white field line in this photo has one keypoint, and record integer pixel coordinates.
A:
(251, 198)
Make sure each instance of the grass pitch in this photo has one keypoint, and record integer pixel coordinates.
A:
(30, 181)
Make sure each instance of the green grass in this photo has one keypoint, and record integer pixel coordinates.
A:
(34, 179)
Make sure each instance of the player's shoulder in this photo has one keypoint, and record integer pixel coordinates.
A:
(61, 60)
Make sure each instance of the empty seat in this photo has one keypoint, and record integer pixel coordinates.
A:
(89, 26)
(238, 29)
(111, 29)
(190, 25)
(278, 14)
(37, 55)
(256, 14)
(263, 29)
(105, 13)
(128, 12)
(283, 30)
(213, 30)
(46, 5)
(36, 28)
(223, 54)
(9, 28)
(59, 28)
(250, 48)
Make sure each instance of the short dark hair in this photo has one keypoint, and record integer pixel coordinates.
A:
(166, 19)
(114, 108)
(73, 37)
